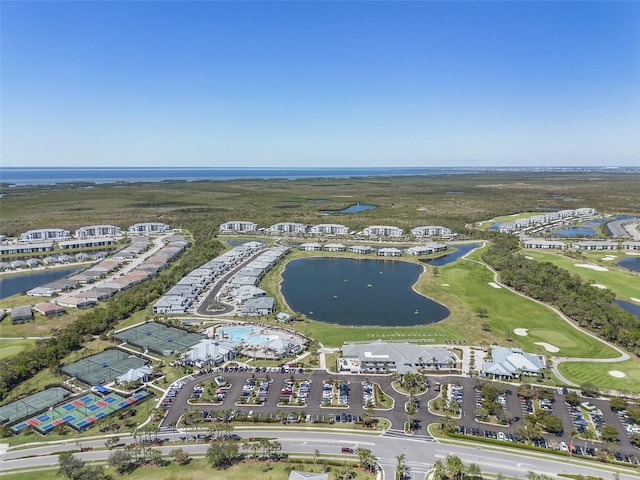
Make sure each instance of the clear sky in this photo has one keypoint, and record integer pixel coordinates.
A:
(241, 84)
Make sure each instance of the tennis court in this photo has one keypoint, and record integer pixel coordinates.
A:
(14, 411)
(103, 367)
(81, 412)
(159, 338)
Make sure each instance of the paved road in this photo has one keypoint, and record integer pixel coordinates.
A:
(210, 299)
(420, 455)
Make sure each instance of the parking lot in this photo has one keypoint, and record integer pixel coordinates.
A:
(312, 396)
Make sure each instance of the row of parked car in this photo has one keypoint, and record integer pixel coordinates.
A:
(368, 395)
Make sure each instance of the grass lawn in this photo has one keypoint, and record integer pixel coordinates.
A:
(598, 374)
(199, 469)
(463, 287)
(11, 347)
(624, 283)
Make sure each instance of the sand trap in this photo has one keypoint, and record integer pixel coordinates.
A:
(634, 299)
(608, 258)
(597, 268)
(600, 286)
(494, 285)
(548, 347)
(521, 331)
(631, 253)
(445, 285)
(617, 373)
(528, 257)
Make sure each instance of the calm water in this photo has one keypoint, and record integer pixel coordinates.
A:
(632, 308)
(576, 232)
(358, 292)
(50, 176)
(451, 257)
(359, 207)
(632, 263)
(10, 285)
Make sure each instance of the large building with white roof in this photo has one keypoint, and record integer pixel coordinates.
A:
(93, 231)
(44, 234)
(329, 229)
(511, 362)
(148, 228)
(382, 357)
(284, 228)
(382, 231)
(239, 226)
(431, 231)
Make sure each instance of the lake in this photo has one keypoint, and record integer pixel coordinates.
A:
(358, 207)
(11, 285)
(575, 232)
(632, 308)
(358, 292)
(631, 263)
(451, 257)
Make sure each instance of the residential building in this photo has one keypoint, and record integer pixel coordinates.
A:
(258, 307)
(329, 229)
(239, 226)
(362, 249)
(334, 247)
(148, 228)
(595, 245)
(44, 234)
(631, 245)
(545, 244)
(431, 231)
(382, 231)
(286, 228)
(93, 231)
(389, 252)
(21, 315)
(311, 247)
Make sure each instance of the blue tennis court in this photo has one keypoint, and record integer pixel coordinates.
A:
(86, 411)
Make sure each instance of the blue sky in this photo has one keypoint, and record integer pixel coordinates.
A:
(241, 84)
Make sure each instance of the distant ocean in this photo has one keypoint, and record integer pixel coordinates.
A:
(51, 176)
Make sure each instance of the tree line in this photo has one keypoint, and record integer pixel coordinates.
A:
(592, 308)
(47, 353)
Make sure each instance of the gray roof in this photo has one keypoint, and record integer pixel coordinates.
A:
(509, 361)
(21, 313)
(294, 475)
(404, 355)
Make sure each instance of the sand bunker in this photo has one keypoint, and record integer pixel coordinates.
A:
(599, 285)
(634, 299)
(608, 258)
(597, 268)
(528, 257)
(445, 285)
(521, 331)
(494, 285)
(617, 373)
(548, 347)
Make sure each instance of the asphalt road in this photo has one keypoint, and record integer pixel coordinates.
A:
(420, 455)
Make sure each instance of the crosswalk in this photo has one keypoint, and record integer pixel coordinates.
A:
(396, 433)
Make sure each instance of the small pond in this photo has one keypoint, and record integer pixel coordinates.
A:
(631, 263)
(358, 292)
(632, 308)
(358, 207)
(11, 285)
(576, 232)
(451, 257)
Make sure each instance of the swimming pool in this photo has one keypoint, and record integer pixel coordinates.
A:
(245, 334)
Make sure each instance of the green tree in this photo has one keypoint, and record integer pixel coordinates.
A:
(222, 454)
(121, 460)
(69, 466)
(454, 467)
(473, 471)
(366, 459)
(609, 433)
